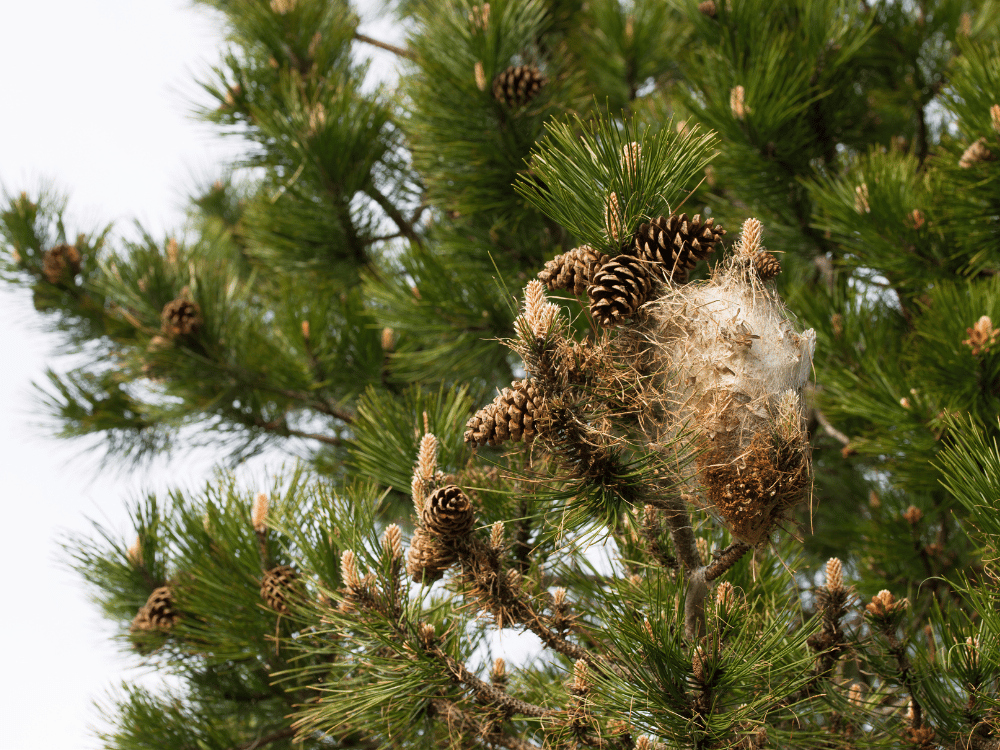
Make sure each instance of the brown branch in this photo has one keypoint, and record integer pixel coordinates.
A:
(313, 436)
(386, 46)
(830, 429)
(487, 693)
(345, 415)
(471, 727)
(725, 560)
(401, 222)
(675, 511)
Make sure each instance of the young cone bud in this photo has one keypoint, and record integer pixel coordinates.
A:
(134, 553)
(995, 117)
(392, 541)
(737, 102)
(834, 575)
(349, 570)
(258, 513)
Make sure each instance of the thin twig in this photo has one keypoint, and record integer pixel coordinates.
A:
(830, 429)
(725, 560)
(487, 693)
(468, 726)
(386, 46)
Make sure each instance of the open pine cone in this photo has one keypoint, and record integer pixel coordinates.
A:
(447, 513)
(572, 270)
(511, 416)
(427, 559)
(157, 613)
(276, 587)
(181, 317)
(675, 244)
(60, 263)
(619, 289)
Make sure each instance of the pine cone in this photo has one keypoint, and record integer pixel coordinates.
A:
(447, 513)
(59, 260)
(181, 317)
(766, 266)
(511, 416)
(427, 559)
(517, 85)
(276, 587)
(157, 613)
(676, 243)
(619, 289)
(572, 270)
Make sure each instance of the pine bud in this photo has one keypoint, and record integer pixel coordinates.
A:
(513, 579)
(427, 633)
(917, 218)
(581, 678)
(725, 595)
(981, 336)
(480, 75)
(748, 245)
(427, 457)
(698, 664)
(861, 204)
(905, 402)
(419, 493)
(388, 339)
(995, 117)
(834, 575)
(559, 597)
(855, 695)
(965, 24)
(630, 158)
(539, 313)
(707, 8)
(172, 249)
(614, 225)
(305, 330)
(737, 102)
(349, 570)
(913, 515)
(258, 514)
(644, 743)
(497, 535)
(392, 541)
(282, 7)
(703, 550)
(884, 604)
(874, 501)
(498, 674)
(975, 153)
(479, 16)
(134, 553)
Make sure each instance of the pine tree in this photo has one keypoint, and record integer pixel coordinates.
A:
(660, 333)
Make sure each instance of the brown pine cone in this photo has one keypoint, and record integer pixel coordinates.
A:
(427, 559)
(276, 587)
(447, 513)
(518, 85)
(511, 416)
(675, 244)
(60, 263)
(157, 613)
(766, 266)
(572, 270)
(619, 289)
(181, 317)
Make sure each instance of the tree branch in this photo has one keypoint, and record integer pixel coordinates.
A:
(488, 693)
(386, 46)
(830, 429)
(469, 726)
(725, 560)
(675, 512)
(262, 741)
(404, 225)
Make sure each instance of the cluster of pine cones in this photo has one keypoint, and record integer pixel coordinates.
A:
(665, 249)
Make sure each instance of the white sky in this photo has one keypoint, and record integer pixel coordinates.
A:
(96, 97)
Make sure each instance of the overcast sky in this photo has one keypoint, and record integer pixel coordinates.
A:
(96, 101)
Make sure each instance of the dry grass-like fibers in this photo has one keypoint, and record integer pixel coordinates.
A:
(733, 369)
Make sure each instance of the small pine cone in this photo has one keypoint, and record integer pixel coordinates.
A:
(766, 266)
(482, 427)
(619, 289)
(707, 8)
(157, 613)
(975, 153)
(427, 559)
(572, 270)
(518, 85)
(447, 513)
(276, 587)
(60, 263)
(181, 317)
(676, 244)
(511, 416)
